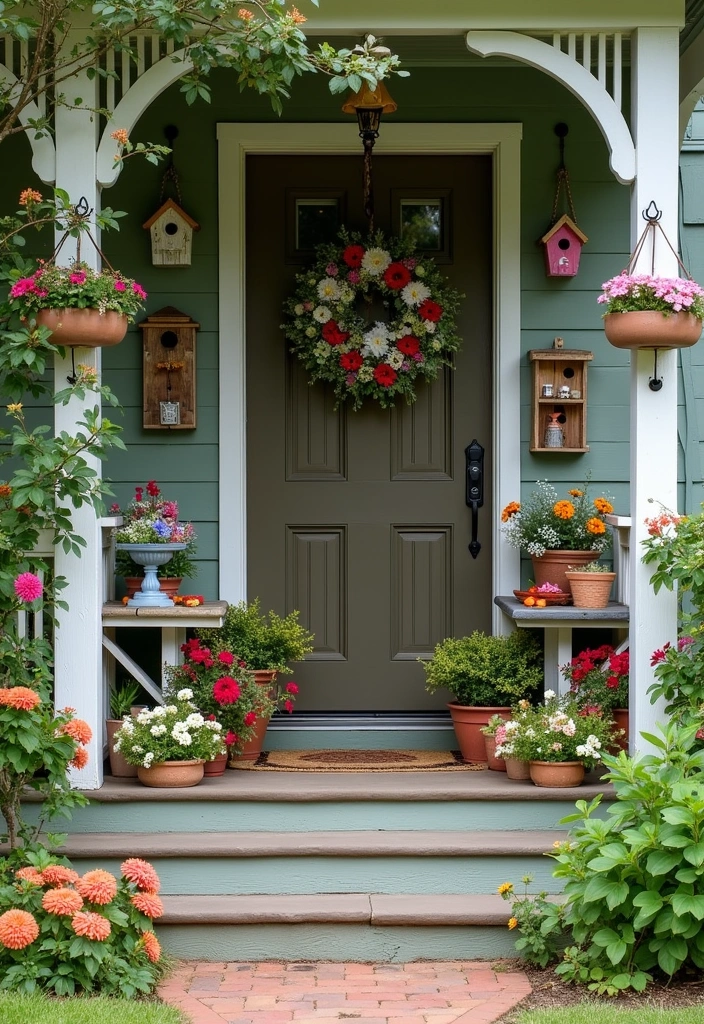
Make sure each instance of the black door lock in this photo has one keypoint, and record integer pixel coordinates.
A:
(474, 495)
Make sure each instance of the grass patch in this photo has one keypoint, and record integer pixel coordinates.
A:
(591, 1013)
(19, 1009)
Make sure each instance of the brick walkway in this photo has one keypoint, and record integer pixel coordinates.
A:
(453, 992)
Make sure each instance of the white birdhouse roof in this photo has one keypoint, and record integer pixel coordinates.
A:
(565, 222)
(172, 206)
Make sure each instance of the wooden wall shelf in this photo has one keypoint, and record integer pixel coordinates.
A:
(560, 367)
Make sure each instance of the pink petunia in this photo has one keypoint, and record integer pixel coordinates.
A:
(28, 587)
(120, 286)
(139, 291)
(78, 277)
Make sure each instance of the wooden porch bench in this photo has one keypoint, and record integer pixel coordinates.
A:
(558, 622)
(173, 623)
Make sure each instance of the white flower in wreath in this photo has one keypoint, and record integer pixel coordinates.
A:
(329, 289)
(365, 374)
(298, 309)
(376, 341)
(311, 332)
(322, 350)
(414, 293)
(322, 314)
(430, 326)
(395, 359)
(420, 271)
(436, 345)
(346, 295)
(375, 261)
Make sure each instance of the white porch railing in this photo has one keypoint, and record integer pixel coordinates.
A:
(622, 555)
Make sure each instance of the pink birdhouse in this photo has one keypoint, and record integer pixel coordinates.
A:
(563, 246)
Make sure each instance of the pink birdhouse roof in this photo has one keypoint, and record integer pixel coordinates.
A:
(565, 222)
(171, 205)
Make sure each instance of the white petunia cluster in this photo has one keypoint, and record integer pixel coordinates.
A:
(158, 730)
(148, 758)
(185, 694)
(590, 748)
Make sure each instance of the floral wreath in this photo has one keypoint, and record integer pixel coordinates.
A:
(381, 361)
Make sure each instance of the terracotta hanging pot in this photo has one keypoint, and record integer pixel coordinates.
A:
(590, 589)
(253, 747)
(557, 774)
(552, 566)
(652, 329)
(517, 770)
(88, 328)
(119, 767)
(468, 722)
(217, 766)
(171, 774)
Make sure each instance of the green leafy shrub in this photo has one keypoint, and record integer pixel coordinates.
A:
(486, 671)
(261, 641)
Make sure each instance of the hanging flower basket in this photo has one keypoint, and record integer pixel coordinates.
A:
(652, 329)
(87, 328)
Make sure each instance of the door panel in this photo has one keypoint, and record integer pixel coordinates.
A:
(359, 518)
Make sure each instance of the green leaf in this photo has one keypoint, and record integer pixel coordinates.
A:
(661, 863)
(605, 936)
(695, 854)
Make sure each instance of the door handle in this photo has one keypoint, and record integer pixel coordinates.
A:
(474, 455)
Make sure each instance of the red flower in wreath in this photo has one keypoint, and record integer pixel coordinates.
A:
(430, 310)
(351, 361)
(332, 333)
(409, 345)
(397, 276)
(353, 256)
(385, 375)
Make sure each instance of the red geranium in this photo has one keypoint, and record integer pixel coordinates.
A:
(353, 256)
(332, 333)
(409, 345)
(226, 690)
(430, 310)
(351, 360)
(226, 657)
(250, 718)
(385, 375)
(397, 276)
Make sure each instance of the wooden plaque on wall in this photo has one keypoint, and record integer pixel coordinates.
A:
(169, 370)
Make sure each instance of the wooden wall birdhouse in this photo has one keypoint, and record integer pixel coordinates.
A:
(171, 231)
(563, 246)
(169, 370)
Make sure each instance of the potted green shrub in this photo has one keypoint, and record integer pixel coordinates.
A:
(266, 645)
(485, 674)
(122, 699)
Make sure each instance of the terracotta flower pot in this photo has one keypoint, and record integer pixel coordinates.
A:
(167, 585)
(496, 764)
(253, 747)
(652, 329)
(171, 774)
(552, 566)
(590, 589)
(216, 767)
(119, 768)
(557, 774)
(620, 717)
(517, 770)
(83, 327)
(468, 722)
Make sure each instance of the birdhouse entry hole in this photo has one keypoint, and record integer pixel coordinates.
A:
(171, 228)
(169, 339)
(568, 372)
(564, 243)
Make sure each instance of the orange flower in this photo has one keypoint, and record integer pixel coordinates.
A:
(120, 135)
(576, 493)
(148, 903)
(510, 510)
(80, 759)
(97, 886)
(78, 730)
(244, 15)
(5, 490)
(63, 902)
(141, 873)
(563, 509)
(29, 196)
(595, 526)
(29, 874)
(603, 506)
(57, 874)
(17, 929)
(296, 16)
(151, 946)
(21, 698)
(93, 926)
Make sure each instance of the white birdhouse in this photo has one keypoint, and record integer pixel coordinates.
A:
(171, 231)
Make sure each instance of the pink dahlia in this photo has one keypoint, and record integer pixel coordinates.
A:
(28, 587)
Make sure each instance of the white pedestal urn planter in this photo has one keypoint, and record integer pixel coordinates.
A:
(151, 556)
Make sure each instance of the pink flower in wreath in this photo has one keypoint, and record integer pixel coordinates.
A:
(331, 270)
(28, 587)
(353, 277)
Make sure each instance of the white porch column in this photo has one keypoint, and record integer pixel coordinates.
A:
(78, 649)
(655, 80)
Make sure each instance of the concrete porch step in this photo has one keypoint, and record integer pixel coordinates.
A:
(326, 862)
(366, 926)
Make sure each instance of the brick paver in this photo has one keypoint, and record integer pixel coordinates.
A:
(454, 992)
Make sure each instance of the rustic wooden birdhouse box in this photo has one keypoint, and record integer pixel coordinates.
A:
(169, 370)
(563, 246)
(171, 231)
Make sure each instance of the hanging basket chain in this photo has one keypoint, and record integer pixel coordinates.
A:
(652, 217)
(170, 175)
(79, 215)
(563, 177)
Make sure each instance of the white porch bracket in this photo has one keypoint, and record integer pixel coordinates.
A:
(578, 78)
(43, 152)
(133, 668)
(691, 80)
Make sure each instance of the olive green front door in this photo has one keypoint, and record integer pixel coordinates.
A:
(359, 519)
